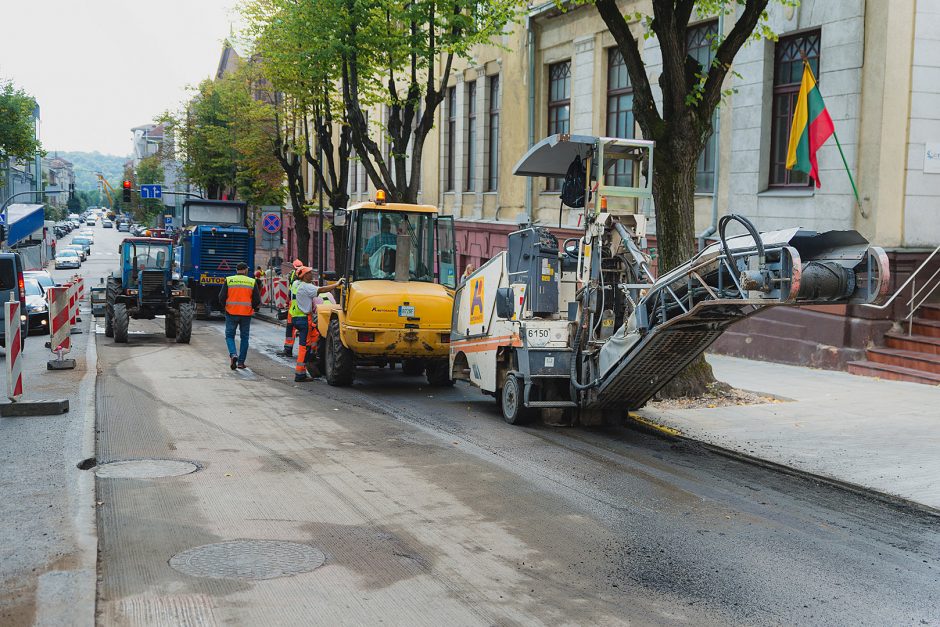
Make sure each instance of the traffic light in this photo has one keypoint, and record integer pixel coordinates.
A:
(127, 191)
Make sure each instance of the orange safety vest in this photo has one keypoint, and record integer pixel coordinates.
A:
(240, 288)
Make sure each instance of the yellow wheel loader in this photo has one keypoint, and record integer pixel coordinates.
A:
(397, 296)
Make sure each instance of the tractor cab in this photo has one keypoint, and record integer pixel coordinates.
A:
(146, 266)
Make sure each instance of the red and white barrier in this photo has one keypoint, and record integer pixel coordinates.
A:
(14, 340)
(281, 299)
(265, 292)
(60, 322)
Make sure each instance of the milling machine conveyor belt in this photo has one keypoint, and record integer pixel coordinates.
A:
(687, 309)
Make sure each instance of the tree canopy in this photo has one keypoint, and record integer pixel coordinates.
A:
(17, 130)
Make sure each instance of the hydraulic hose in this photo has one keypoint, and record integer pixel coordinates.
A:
(723, 223)
(573, 371)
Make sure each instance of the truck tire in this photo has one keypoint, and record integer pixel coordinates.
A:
(202, 311)
(438, 373)
(108, 321)
(169, 324)
(412, 367)
(184, 323)
(120, 322)
(340, 361)
(511, 401)
(321, 355)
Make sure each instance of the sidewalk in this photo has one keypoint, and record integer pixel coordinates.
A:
(48, 540)
(879, 435)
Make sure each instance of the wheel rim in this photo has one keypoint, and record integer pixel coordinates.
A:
(510, 397)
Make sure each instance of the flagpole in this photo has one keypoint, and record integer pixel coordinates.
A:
(847, 171)
(835, 135)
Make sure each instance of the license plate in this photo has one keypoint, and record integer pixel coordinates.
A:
(406, 311)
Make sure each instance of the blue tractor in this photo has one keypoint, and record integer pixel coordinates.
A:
(144, 288)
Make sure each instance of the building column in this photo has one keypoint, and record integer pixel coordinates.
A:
(582, 86)
(479, 149)
(459, 143)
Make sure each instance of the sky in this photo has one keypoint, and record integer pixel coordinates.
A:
(100, 67)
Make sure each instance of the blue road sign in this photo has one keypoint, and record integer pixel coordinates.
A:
(271, 223)
(151, 191)
(168, 220)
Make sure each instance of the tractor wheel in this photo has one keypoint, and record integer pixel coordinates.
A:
(108, 321)
(120, 322)
(184, 323)
(340, 361)
(514, 412)
(412, 367)
(438, 373)
(202, 311)
(169, 324)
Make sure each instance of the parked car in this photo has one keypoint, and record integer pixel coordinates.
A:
(124, 226)
(37, 307)
(12, 284)
(42, 277)
(85, 243)
(107, 224)
(67, 259)
(77, 248)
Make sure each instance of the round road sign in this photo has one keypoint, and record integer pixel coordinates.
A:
(271, 223)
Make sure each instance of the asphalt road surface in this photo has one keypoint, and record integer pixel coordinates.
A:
(427, 509)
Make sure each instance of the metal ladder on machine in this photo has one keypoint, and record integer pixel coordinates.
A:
(686, 310)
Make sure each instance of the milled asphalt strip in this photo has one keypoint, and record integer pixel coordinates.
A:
(668, 433)
(68, 597)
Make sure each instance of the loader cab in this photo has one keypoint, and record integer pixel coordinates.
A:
(400, 242)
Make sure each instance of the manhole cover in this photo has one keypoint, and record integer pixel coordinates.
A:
(248, 559)
(145, 469)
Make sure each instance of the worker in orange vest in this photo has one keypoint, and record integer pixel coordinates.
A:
(240, 297)
(303, 308)
(289, 331)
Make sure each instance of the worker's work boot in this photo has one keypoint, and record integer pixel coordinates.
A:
(300, 378)
(288, 352)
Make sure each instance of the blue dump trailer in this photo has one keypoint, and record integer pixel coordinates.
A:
(214, 239)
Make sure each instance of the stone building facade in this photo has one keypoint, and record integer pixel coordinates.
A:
(878, 68)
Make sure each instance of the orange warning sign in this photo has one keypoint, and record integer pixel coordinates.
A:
(476, 301)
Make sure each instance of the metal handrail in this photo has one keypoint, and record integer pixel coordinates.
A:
(915, 293)
(905, 284)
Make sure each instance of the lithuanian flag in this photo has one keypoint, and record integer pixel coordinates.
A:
(811, 127)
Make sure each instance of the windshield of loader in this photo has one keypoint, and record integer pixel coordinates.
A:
(378, 237)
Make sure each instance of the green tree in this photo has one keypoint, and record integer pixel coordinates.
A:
(682, 124)
(400, 53)
(17, 130)
(299, 61)
(207, 143)
(149, 171)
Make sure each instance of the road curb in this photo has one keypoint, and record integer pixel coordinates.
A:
(646, 425)
(272, 318)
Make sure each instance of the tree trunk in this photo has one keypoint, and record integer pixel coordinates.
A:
(674, 195)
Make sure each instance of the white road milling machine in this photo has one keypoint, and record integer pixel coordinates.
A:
(583, 332)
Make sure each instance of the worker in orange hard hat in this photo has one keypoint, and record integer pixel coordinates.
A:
(289, 330)
(303, 307)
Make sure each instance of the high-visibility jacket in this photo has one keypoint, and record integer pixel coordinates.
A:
(239, 289)
(295, 310)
